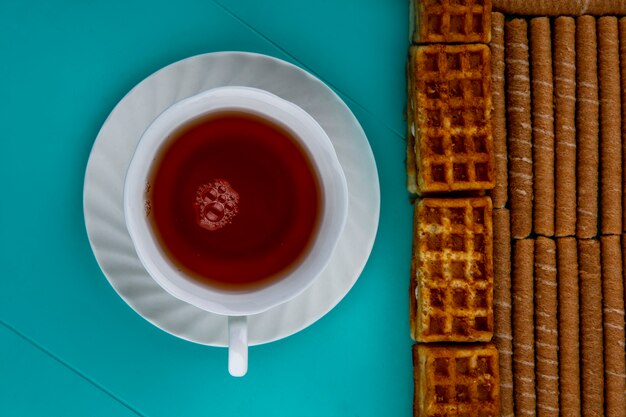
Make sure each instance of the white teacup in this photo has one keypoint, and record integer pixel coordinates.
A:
(240, 304)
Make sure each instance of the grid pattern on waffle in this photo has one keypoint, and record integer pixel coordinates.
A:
(459, 381)
(451, 105)
(462, 21)
(454, 277)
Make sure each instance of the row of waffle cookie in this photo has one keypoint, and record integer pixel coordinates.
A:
(450, 150)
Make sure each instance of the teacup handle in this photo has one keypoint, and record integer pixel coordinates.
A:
(237, 345)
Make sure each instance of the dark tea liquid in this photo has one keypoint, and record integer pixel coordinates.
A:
(234, 200)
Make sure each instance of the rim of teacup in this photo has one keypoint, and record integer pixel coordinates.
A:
(333, 185)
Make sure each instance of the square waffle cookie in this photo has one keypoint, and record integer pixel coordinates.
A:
(445, 21)
(449, 138)
(451, 292)
(456, 380)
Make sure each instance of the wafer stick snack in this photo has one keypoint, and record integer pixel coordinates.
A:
(502, 332)
(519, 128)
(610, 127)
(543, 126)
(613, 312)
(546, 339)
(624, 262)
(459, 380)
(622, 53)
(587, 112)
(624, 276)
(560, 7)
(441, 21)
(452, 284)
(538, 7)
(603, 7)
(523, 328)
(449, 114)
(565, 125)
(592, 363)
(568, 332)
(499, 194)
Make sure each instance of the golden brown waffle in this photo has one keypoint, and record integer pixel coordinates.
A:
(451, 295)
(456, 380)
(461, 21)
(450, 141)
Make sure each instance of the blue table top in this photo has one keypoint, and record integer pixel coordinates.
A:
(69, 346)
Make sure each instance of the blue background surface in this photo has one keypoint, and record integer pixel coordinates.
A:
(68, 344)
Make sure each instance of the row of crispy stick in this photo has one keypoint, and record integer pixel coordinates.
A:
(561, 345)
(565, 148)
(559, 307)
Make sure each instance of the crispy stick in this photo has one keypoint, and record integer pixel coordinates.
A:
(569, 369)
(622, 53)
(624, 277)
(538, 7)
(546, 336)
(565, 125)
(592, 362)
(603, 7)
(560, 7)
(523, 328)
(519, 128)
(499, 194)
(543, 126)
(502, 332)
(610, 127)
(613, 309)
(587, 128)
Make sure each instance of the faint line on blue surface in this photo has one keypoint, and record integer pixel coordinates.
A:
(68, 366)
(303, 65)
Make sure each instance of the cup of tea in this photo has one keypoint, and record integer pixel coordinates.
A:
(235, 201)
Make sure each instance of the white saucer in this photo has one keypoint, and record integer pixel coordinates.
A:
(113, 149)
